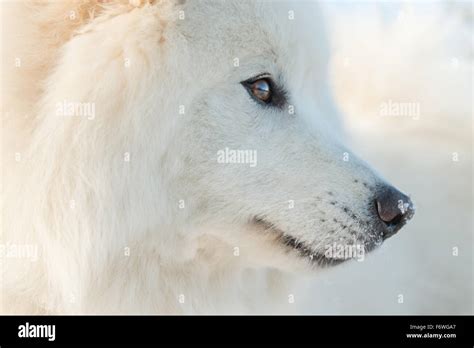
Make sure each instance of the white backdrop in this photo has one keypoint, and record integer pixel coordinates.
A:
(420, 53)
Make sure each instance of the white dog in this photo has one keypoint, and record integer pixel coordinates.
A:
(176, 157)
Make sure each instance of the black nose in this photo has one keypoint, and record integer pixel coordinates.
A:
(393, 208)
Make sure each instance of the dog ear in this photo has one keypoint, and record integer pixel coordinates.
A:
(40, 30)
(57, 21)
(121, 47)
(50, 24)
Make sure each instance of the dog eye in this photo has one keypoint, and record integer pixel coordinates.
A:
(265, 91)
(261, 89)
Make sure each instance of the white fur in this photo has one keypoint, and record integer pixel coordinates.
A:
(113, 235)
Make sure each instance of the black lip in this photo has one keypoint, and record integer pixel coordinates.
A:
(314, 257)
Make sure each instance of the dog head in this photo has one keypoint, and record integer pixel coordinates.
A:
(265, 166)
(226, 111)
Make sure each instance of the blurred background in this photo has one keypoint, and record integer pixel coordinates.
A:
(403, 76)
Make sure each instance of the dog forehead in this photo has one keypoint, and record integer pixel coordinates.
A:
(238, 28)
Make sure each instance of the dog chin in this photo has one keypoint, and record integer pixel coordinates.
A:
(333, 255)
